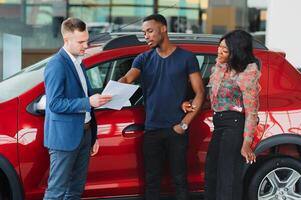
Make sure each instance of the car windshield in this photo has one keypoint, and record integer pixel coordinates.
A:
(22, 81)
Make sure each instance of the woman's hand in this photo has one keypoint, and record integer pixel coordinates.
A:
(187, 106)
(247, 152)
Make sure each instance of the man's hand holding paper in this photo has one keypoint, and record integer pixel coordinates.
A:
(120, 92)
(97, 100)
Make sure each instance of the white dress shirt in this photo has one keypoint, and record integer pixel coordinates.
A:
(77, 63)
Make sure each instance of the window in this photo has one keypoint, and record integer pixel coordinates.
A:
(97, 76)
(206, 62)
(120, 68)
(100, 75)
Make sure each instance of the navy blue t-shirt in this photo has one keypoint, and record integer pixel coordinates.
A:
(164, 83)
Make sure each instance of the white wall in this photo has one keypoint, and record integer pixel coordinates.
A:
(12, 54)
(283, 28)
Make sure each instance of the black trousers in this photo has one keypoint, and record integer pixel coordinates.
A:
(158, 145)
(224, 163)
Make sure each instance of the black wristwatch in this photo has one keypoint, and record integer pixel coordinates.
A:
(184, 126)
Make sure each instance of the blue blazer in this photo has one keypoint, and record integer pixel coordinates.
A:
(66, 104)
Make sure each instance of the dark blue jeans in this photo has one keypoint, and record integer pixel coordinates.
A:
(224, 163)
(68, 171)
(158, 145)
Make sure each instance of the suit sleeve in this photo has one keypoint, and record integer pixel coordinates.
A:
(55, 77)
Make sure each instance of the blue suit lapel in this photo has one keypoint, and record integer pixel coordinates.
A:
(70, 64)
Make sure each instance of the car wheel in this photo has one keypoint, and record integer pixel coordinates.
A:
(277, 179)
(2, 195)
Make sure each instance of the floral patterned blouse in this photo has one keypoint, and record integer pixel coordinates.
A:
(236, 92)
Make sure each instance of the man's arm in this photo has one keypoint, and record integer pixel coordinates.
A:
(55, 77)
(198, 88)
(130, 76)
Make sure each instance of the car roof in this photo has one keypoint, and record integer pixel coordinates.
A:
(110, 41)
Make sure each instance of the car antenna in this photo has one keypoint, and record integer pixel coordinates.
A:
(106, 36)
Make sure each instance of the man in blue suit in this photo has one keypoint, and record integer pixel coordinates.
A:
(70, 126)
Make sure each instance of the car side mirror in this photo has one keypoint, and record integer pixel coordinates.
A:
(37, 107)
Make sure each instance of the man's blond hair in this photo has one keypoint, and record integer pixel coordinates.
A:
(71, 24)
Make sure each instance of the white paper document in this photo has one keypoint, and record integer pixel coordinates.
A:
(120, 92)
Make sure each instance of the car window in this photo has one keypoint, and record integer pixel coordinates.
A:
(206, 62)
(120, 68)
(100, 74)
(97, 75)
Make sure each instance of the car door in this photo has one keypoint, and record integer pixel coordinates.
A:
(200, 129)
(117, 169)
(202, 126)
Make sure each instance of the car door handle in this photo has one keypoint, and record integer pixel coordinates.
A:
(133, 130)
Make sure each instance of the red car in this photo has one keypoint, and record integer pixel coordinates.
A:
(117, 170)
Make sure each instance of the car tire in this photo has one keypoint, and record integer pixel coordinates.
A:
(10, 184)
(2, 194)
(277, 178)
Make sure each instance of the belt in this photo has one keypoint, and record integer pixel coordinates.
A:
(87, 126)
